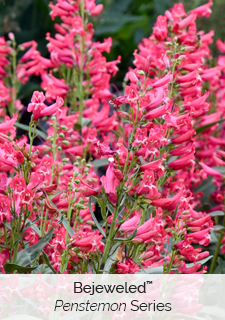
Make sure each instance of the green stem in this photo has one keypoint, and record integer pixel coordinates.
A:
(213, 265)
(111, 231)
(15, 253)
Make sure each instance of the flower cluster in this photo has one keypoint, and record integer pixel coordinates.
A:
(158, 145)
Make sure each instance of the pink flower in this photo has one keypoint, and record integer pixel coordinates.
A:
(185, 22)
(160, 30)
(204, 10)
(37, 104)
(127, 267)
(54, 108)
(167, 202)
(110, 182)
(160, 111)
(210, 171)
(161, 82)
(182, 162)
(157, 100)
(131, 224)
(147, 185)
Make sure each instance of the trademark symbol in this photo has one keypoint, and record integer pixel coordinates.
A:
(148, 282)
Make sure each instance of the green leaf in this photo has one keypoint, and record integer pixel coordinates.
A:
(110, 207)
(31, 224)
(112, 258)
(95, 220)
(218, 228)
(64, 221)
(48, 262)
(156, 270)
(207, 187)
(27, 89)
(203, 261)
(161, 6)
(27, 128)
(120, 6)
(18, 240)
(42, 269)
(7, 225)
(122, 203)
(220, 269)
(56, 194)
(85, 122)
(128, 238)
(216, 213)
(28, 255)
(100, 163)
(220, 169)
(112, 22)
(11, 267)
(201, 129)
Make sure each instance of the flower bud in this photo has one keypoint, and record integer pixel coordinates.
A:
(141, 72)
(64, 128)
(80, 206)
(66, 143)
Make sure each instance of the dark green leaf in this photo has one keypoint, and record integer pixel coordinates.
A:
(128, 238)
(27, 128)
(18, 240)
(11, 267)
(201, 129)
(28, 255)
(95, 220)
(48, 262)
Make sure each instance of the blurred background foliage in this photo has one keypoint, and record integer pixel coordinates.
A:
(126, 21)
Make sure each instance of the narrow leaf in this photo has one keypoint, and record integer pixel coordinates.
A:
(95, 220)
(48, 262)
(100, 163)
(200, 129)
(31, 224)
(216, 213)
(57, 193)
(27, 128)
(64, 221)
(112, 258)
(11, 267)
(218, 228)
(28, 255)
(128, 238)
